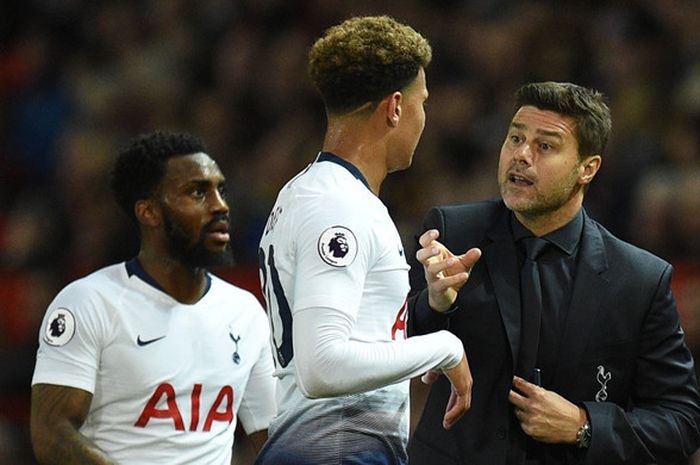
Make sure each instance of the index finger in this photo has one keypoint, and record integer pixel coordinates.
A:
(427, 237)
(523, 386)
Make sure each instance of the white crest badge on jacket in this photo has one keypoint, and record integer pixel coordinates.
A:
(603, 378)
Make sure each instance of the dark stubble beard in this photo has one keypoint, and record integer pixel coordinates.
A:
(197, 255)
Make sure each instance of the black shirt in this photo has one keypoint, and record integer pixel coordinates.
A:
(557, 269)
(557, 266)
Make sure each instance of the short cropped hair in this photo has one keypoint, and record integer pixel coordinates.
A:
(363, 59)
(141, 166)
(586, 106)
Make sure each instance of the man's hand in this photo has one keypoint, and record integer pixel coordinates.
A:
(445, 273)
(461, 396)
(545, 415)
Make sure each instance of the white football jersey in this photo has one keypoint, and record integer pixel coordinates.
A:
(331, 250)
(169, 380)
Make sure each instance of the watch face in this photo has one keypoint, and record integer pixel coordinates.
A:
(583, 437)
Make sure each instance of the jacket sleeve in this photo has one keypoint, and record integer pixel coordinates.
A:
(661, 423)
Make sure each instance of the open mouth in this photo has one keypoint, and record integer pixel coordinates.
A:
(519, 180)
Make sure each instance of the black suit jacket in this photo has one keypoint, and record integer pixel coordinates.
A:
(622, 318)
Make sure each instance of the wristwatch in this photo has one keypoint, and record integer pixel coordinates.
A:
(583, 437)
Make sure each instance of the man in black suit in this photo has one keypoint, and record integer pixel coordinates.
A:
(576, 352)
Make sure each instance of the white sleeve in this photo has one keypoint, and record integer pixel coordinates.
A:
(258, 405)
(70, 339)
(326, 307)
(330, 364)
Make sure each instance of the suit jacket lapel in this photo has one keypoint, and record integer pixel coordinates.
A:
(501, 262)
(590, 285)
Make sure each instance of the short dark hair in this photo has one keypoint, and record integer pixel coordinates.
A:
(365, 58)
(586, 106)
(140, 166)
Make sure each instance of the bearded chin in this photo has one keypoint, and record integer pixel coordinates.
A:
(193, 256)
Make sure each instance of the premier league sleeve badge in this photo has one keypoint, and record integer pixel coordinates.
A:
(337, 246)
(60, 327)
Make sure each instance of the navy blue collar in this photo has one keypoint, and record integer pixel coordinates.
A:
(133, 267)
(333, 158)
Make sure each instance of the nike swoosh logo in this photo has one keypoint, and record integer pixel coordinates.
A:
(141, 342)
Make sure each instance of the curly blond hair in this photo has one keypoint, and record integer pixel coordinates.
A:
(365, 58)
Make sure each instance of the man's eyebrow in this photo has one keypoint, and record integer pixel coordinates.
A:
(542, 132)
(197, 182)
(204, 181)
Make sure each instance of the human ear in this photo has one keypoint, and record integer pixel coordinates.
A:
(393, 109)
(589, 167)
(147, 212)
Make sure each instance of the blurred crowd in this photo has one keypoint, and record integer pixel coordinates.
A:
(79, 78)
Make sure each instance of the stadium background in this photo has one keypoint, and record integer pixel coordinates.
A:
(79, 78)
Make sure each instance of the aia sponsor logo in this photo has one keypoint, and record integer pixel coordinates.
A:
(163, 405)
